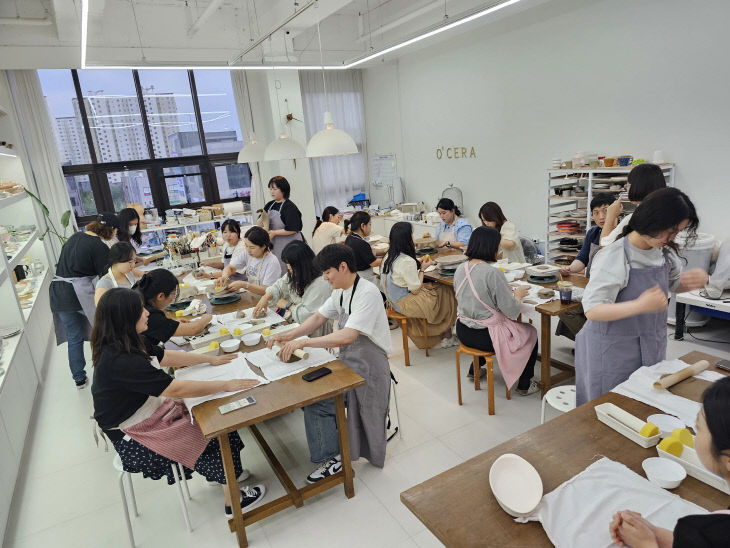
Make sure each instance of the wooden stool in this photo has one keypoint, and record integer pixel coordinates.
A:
(400, 318)
(476, 354)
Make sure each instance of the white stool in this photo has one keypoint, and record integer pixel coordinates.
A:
(561, 398)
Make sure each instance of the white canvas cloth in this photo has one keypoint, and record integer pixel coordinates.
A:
(578, 512)
(274, 369)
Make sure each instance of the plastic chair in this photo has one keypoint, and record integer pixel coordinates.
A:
(561, 398)
(476, 354)
(403, 320)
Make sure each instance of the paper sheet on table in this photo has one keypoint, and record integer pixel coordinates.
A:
(578, 512)
(639, 386)
(236, 369)
(273, 368)
(230, 320)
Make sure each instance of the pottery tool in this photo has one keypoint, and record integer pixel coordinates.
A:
(643, 433)
(679, 376)
(296, 355)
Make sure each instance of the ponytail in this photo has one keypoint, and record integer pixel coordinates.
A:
(155, 282)
(316, 225)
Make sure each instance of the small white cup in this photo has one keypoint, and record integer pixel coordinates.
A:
(658, 157)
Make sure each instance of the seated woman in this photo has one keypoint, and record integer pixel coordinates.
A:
(159, 288)
(402, 282)
(302, 288)
(327, 229)
(360, 227)
(259, 266)
(511, 247)
(233, 251)
(120, 272)
(452, 231)
(712, 444)
(488, 311)
(137, 405)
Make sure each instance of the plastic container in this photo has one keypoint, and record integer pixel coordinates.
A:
(698, 255)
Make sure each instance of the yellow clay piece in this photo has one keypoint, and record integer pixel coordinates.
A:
(213, 345)
(684, 435)
(266, 332)
(649, 430)
(223, 331)
(178, 313)
(237, 331)
(672, 446)
(427, 258)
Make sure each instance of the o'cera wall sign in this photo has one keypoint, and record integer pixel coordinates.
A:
(455, 153)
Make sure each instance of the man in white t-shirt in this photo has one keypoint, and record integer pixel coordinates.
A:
(364, 342)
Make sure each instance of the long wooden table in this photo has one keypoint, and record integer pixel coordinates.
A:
(458, 505)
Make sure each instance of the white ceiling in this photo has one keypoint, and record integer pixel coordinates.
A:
(47, 33)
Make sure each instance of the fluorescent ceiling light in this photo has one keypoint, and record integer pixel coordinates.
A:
(84, 30)
(215, 67)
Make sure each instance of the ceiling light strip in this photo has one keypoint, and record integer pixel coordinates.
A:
(84, 30)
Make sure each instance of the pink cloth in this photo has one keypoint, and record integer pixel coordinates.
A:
(170, 432)
(513, 341)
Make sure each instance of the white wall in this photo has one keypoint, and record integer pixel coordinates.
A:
(608, 76)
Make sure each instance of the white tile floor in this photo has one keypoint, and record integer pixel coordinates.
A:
(67, 493)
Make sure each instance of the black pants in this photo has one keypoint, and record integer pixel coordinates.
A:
(480, 339)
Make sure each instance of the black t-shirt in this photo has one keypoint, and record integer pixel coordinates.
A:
(81, 255)
(122, 382)
(159, 327)
(290, 214)
(702, 531)
(364, 255)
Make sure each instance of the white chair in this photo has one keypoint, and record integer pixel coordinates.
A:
(561, 398)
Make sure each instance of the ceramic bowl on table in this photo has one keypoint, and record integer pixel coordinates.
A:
(665, 473)
(515, 484)
(231, 345)
(251, 339)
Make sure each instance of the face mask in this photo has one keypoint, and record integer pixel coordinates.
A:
(132, 229)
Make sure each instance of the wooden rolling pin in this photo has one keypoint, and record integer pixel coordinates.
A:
(301, 354)
(645, 429)
(679, 376)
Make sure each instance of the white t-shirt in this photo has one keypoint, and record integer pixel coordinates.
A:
(239, 255)
(325, 235)
(509, 232)
(368, 313)
(616, 232)
(267, 268)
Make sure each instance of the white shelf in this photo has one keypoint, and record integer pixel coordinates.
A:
(10, 345)
(15, 260)
(7, 152)
(40, 282)
(195, 223)
(15, 198)
(601, 170)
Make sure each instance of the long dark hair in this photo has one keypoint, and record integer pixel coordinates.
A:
(662, 210)
(449, 205)
(327, 214)
(716, 403)
(258, 236)
(127, 215)
(401, 241)
(300, 257)
(493, 213)
(120, 252)
(155, 282)
(117, 314)
(645, 179)
(358, 219)
(484, 244)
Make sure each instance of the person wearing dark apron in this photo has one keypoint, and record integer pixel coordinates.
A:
(364, 342)
(626, 297)
(285, 219)
(84, 257)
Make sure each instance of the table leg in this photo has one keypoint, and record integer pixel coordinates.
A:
(679, 321)
(232, 487)
(344, 445)
(545, 334)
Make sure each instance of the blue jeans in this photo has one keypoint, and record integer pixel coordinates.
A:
(75, 325)
(320, 424)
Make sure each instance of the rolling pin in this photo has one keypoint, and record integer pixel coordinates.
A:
(645, 429)
(679, 376)
(301, 354)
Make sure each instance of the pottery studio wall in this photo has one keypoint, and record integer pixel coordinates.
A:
(608, 76)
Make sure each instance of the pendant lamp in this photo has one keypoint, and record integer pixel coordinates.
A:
(283, 148)
(253, 151)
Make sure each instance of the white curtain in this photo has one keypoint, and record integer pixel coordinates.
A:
(46, 176)
(335, 179)
(243, 106)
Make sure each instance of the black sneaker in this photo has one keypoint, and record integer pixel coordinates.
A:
(326, 469)
(82, 383)
(249, 497)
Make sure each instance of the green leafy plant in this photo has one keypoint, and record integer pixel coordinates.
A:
(51, 228)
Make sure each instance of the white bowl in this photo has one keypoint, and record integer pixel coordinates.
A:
(251, 339)
(665, 423)
(516, 485)
(230, 345)
(518, 274)
(664, 472)
(510, 276)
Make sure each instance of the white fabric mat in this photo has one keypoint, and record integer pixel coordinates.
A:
(230, 320)
(639, 386)
(578, 512)
(273, 368)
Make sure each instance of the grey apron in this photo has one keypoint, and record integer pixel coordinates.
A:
(227, 255)
(592, 253)
(84, 289)
(276, 223)
(367, 406)
(607, 353)
(393, 292)
(571, 322)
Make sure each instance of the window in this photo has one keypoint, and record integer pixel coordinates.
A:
(184, 185)
(234, 181)
(81, 194)
(218, 111)
(130, 187)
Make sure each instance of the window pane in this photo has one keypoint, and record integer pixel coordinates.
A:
(234, 181)
(113, 111)
(63, 109)
(181, 170)
(130, 187)
(185, 189)
(218, 111)
(170, 113)
(82, 197)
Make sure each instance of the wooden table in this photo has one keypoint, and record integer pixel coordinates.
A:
(458, 506)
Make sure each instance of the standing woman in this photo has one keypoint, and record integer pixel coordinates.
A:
(259, 265)
(302, 287)
(327, 229)
(452, 231)
(84, 257)
(285, 219)
(121, 271)
(625, 300)
(491, 215)
(233, 252)
(365, 259)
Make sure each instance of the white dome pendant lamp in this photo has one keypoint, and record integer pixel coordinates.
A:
(329, 141)
(283, 147)
(252, 152)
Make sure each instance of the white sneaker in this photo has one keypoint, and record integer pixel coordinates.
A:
(249, 497)
(534, 387)
(326, 469)
(245, 474)
(448, 343)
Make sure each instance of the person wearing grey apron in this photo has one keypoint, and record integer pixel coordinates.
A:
(234, 252)
(84, 257)
(453, 232)
(365, 259)
(364, 342)
(626, 297)
(285, 219)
